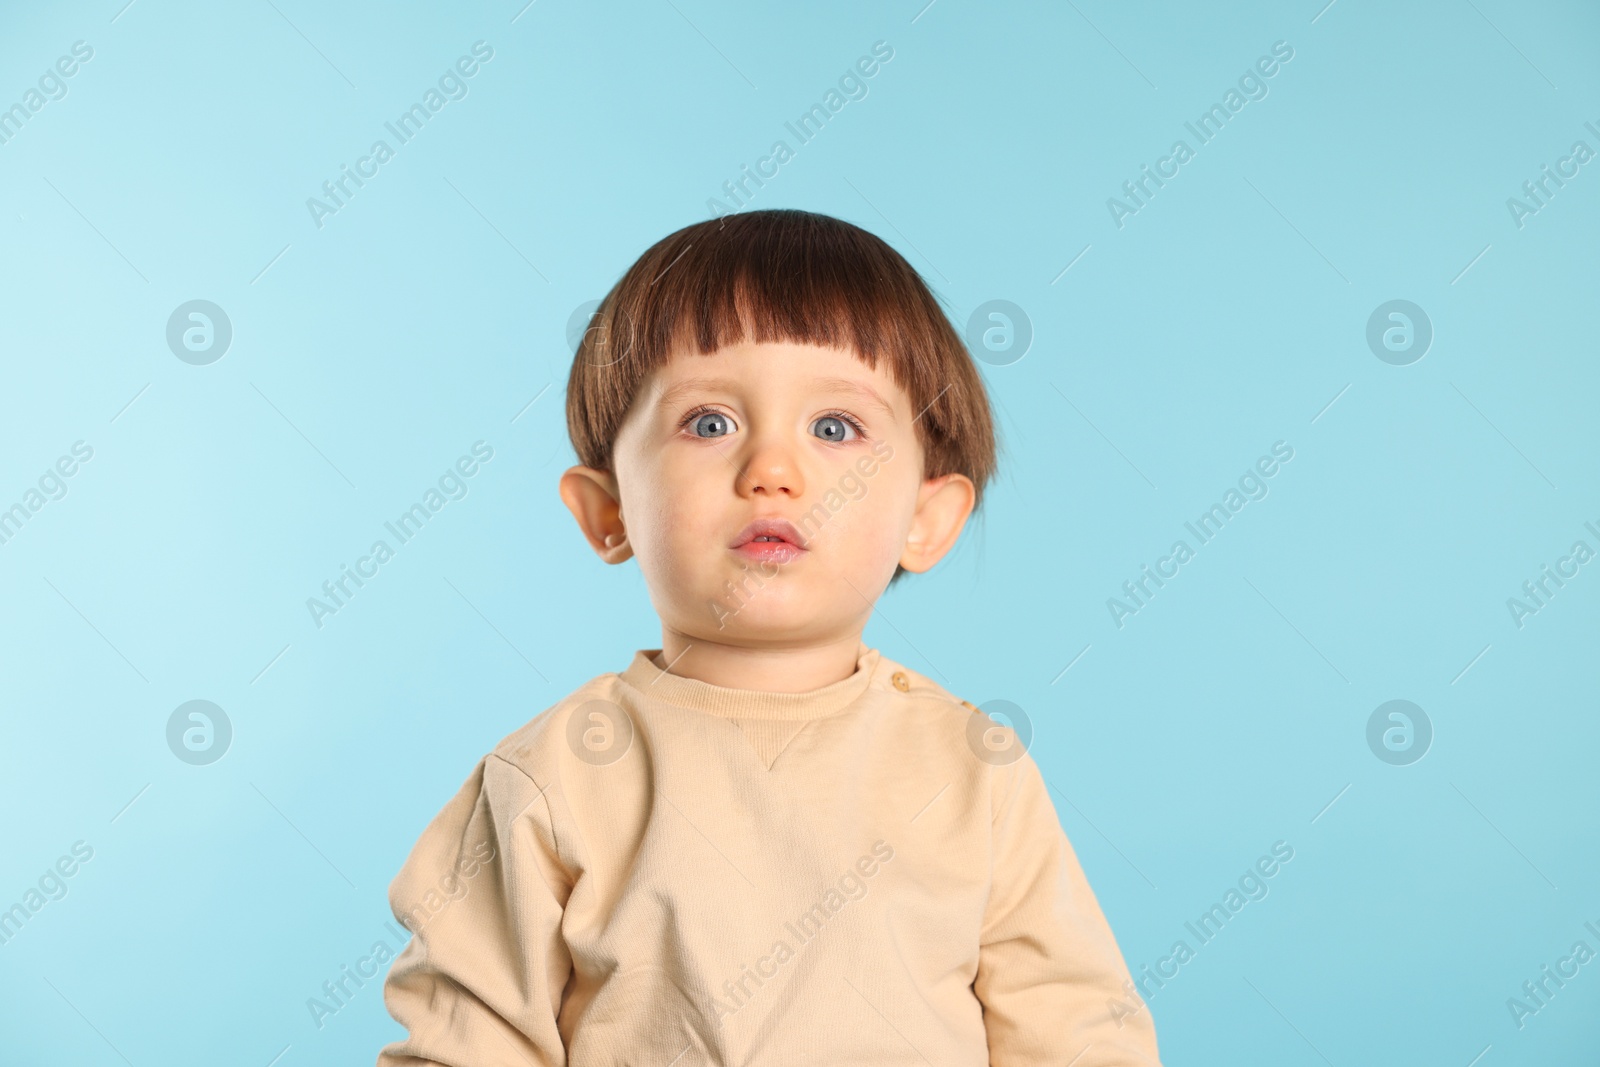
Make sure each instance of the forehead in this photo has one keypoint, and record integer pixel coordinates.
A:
(802, 370)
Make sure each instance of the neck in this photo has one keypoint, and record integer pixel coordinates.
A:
(768, 668)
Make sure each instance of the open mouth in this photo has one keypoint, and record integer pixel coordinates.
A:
(769, 539)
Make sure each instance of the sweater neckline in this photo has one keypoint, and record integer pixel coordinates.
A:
(646, 677)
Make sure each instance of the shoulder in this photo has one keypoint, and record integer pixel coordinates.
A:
(923, 691)
(993, 742)
(541, 745)
(938, 715)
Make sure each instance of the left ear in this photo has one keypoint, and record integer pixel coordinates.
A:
(943, 505)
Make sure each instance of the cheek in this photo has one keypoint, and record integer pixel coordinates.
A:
(870, 532)
(667, 517)
(656, 529)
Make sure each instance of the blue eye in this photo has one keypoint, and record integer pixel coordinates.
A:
(834, 426)
(708, 424)
(715, 421)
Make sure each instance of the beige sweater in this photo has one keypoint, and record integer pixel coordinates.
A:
(661, 872)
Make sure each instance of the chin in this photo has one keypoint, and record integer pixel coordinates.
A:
(758, 612)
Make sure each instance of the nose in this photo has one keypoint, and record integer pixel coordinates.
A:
(772, 467)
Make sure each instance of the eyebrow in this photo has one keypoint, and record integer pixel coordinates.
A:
(860, 390)
(838, 385)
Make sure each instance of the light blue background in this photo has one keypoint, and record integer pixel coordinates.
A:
(1226, 315)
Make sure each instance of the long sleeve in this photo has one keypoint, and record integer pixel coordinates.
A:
(1048, 965)
(481, 981)
(710, 879)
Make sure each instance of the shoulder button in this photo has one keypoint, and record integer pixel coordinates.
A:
(901, 682)
(970, 705)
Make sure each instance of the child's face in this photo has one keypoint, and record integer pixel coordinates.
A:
(770, 431)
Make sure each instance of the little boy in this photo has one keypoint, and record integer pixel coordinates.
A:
(763, 842)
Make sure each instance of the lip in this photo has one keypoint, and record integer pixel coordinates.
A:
(789, 547)
(770, 551)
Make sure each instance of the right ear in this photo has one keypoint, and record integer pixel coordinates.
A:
(591, 495)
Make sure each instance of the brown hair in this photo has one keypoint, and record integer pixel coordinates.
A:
(782, 275)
